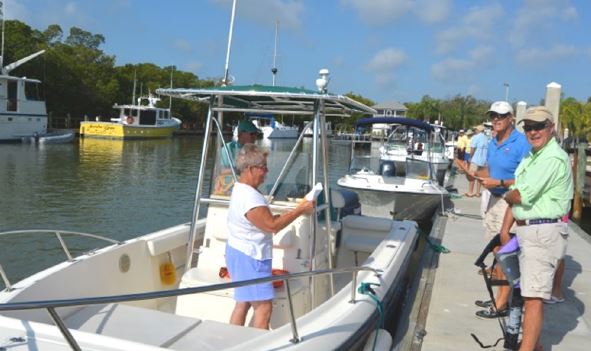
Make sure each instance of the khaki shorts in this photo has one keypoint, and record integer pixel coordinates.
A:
(473, 168)
(542, 246)
(493, 219)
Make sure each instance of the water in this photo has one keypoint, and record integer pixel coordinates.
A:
(116, 189)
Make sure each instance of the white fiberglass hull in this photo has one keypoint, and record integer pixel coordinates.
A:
(133, 267)
(395, 197)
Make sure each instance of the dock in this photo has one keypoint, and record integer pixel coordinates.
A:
(441, 312)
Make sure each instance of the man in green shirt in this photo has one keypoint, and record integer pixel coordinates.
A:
(247, 134)
(539, 198)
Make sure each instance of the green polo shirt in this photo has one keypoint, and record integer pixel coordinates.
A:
(233, 148)
(544, 180)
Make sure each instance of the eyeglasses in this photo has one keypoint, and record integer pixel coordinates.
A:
(535, 126)
(264, 168)
(494, 115)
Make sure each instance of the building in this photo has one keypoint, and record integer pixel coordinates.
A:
(387, 109)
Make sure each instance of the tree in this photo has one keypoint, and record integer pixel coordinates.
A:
(576, 116)
(349, 122)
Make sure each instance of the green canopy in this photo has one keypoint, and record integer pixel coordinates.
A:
(271, 99)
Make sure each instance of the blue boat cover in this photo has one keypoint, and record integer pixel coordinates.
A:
(395, 120)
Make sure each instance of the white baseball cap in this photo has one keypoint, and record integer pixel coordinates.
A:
(500, 107)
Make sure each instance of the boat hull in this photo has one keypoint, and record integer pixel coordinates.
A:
(14, 126)
(112, 130)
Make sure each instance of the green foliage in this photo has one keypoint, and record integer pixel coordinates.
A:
(349, 122)
(455, 113)
(80, 79)
(576, 116)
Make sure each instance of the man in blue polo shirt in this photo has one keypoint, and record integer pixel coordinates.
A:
(505, 152)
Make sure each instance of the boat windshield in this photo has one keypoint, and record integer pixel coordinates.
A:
(294, 182)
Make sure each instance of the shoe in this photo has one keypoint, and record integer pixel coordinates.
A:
(490, 313)
(553, 299)
(483, 303)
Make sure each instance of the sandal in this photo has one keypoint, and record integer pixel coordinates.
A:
(468, 195)
(483, 304)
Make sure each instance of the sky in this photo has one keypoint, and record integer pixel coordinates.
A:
(384, 50)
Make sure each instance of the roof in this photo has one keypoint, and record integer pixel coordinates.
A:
(396, 120)
(391, 105)
(269, 99)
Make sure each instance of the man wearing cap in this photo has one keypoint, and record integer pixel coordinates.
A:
(478, 149)
(247, 134)
(539, 198)
(504, 153)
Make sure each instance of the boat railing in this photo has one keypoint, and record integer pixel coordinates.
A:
(51, 305)
(59, 235)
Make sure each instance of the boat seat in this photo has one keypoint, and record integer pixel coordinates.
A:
(138, 324)
(388, 169)
(364, 234)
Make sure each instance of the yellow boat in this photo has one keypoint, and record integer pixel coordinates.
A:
(134, 122)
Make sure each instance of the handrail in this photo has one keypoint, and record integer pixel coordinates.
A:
(51, 305)
(58, 233)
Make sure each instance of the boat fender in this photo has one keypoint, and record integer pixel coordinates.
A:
(168, 272)
(129, 120)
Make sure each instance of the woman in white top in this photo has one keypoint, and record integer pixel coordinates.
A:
(251, 226)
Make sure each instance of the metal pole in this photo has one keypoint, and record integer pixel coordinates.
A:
(197, 203)
(506, 91)
(294, 330)
(63, 329)
(327, 198)
(64, 246)
(227, 66)
(5, 279)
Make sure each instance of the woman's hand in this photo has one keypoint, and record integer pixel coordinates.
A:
(306, 207)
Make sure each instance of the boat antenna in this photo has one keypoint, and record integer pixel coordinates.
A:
(274, 69)
(2, 19)
(134, 81)
(225, 81)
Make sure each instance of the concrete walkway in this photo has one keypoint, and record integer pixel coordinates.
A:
(456, 285)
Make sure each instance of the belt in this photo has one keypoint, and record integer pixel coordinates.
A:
(521, 222)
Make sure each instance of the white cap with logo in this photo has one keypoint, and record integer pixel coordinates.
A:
(500, 107)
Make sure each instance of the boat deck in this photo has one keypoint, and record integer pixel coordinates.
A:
(443, 311)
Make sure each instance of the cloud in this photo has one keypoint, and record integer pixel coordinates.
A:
(379, 11)
(193, 66)
(536, 55)
(265, 12)
(15, 10)
(433, 11)
(452, 69)
(182, 45)
(385, 63)
(539, 15)
(71, 9)
(478, 24)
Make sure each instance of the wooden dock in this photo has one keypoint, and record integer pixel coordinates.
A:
(441, 312)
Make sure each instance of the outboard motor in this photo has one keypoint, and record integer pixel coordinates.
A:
(387, 169)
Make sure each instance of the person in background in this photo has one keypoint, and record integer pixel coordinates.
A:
(247, 134)
(251, 227)
(461, 145)
(540, 197)
(478, 149)
(504, 153)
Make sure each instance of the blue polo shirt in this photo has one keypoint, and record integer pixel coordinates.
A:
(503, 159)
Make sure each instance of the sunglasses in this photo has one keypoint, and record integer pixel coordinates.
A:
(536, 126)
(495, 115)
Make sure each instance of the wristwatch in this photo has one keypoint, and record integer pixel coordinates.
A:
(502, 183)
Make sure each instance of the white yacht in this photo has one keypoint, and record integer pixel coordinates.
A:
(164, 290)
(403, 177)
(22, 110)
(270, 127)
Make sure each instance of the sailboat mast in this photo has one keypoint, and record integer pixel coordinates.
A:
(227, 66)
(170, 97)
(2, 48)
(274, 69)
(134, 81)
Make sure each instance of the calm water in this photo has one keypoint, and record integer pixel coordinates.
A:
(111, 188)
